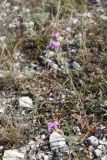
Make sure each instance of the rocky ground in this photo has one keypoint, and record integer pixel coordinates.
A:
(53, 82)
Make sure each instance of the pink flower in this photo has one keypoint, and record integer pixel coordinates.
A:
(55, 35)
(53, 45)
(52, 125)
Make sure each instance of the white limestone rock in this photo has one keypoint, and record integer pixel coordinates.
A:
(43, 156)
(101, 150)
(57, 141)
(103, 142)
(104, 157)
(31, 144)
(93, 140)
(15, 154)
(26, 102)
(98, 152)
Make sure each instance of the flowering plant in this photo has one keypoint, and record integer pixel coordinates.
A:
(55, 35)
(52, 125)
(53, 45)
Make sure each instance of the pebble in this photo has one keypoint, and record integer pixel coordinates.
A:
(19, 78)
(98, 2)
(3, 39)
(63, 98)
(12, 25)
(34, 66)
(44, 156)
(15, 154)
(100, 10)
(93, 140)
(74, 21)
(50, 54)
(103, 142)
(17, 56)
(31, 144)
(68, 29)
(1, 148)
(101, 147)
(3, 104)
(99, 134)
(81, 81)
(90, 155)
(50, 62)
(100, 150)
(57, 142)
(2, 109)
(105, 103)
(88, 15)
(76, 129)
(55, 66)
(103, 17)
(104, 157)
(76, 66)
(43, 136)
(91, 148)
(16, 8)
(73, 50)
(25, 101)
